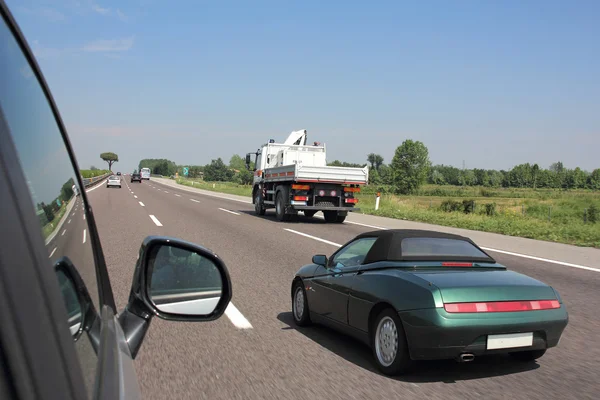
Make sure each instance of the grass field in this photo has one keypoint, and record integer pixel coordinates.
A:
(544, 214)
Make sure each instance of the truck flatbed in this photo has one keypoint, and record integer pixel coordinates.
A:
(317, 174)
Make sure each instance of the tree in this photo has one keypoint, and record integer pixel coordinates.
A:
(110, 158)
(237, 162)
(66, 192)
(410, 166)
(217, 171)
(375, 160)
(594, 179)
(92, 168)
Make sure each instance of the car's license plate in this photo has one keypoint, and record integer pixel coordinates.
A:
(509, 341)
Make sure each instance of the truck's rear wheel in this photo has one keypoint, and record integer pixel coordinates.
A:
(259, 206)
(309, 213)
(280, 207)
(340, 218)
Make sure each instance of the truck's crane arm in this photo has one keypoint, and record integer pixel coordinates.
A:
(296, 138)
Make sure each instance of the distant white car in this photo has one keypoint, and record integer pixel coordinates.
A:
(113, 180)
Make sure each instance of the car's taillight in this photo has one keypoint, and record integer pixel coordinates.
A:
(501, 306)
(456, 264)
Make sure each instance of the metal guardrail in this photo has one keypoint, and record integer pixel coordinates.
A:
(87, 182)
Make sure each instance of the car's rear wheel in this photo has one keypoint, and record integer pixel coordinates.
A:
(300, 305)
(527, 356)
(388, 342)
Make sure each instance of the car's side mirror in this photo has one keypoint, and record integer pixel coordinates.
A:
(320, 259)
(81, 313)
(174, 280)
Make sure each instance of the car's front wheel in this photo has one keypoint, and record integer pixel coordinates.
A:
(527, 356)
(389, 345)
(300, 305)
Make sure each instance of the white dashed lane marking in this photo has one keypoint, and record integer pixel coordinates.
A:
(156, 221)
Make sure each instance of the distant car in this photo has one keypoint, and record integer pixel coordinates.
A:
(118, 173)
(113, 180)
(136, 177)
(423, 295)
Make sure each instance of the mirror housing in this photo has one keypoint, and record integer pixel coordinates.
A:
(248, 161)
(320, 259)
(174, 304)
(81, 313)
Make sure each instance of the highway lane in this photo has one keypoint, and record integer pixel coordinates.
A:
(275, 360)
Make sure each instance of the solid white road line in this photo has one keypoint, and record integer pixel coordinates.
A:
(211, 195)
(195, 201)
(232, 212)
(51, 254)
(141, 204)
(94, 188)
(84, 232)
(156, 221)
(314, 237)
(542, 259)
(236, 317)
(178, 195)
(63, 233)
(135, 196)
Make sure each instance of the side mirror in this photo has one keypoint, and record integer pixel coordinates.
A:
(248, 161)
(320, 259)
(81, 314)
(174, 280)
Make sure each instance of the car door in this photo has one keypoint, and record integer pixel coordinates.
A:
(39, 172)
(331, 290)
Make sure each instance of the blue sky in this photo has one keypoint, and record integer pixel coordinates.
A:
(492, 83)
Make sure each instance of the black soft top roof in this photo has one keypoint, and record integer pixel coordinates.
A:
(388, 246)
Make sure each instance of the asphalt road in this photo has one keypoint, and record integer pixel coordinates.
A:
(255, 352)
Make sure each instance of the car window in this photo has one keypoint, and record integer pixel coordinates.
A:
(354, 253)
(439, 247)
(50, 175)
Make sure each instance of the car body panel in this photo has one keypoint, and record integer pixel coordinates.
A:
(437, 334)
(486, 285)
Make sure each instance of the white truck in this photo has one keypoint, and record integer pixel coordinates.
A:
(293, 176)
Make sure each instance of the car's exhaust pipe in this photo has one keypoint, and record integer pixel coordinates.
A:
(466, 357)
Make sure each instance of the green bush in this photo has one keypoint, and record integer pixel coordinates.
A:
(468, 206)
(592, 214)
(490, 209)
(450, 205)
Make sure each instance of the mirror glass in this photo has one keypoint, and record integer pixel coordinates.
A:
(184, 282)
(72, 304)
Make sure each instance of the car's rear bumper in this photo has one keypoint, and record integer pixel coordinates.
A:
(436, 334)
(113, 184)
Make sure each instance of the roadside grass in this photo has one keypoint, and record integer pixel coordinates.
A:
(544, 214)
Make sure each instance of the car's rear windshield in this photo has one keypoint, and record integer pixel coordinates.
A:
(439, 247)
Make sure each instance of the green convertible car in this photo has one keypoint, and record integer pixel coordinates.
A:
(424, 295)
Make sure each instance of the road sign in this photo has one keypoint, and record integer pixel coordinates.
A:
(185, 171)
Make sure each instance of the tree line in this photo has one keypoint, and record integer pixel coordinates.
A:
(409, 169)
